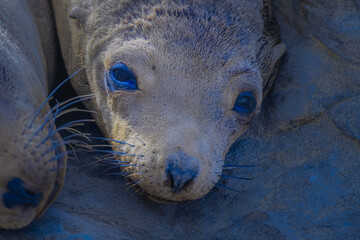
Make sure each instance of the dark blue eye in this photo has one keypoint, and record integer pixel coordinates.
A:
(120, 77)
(245, 103)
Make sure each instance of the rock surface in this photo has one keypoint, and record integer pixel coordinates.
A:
(305, 143)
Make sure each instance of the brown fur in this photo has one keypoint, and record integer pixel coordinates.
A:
(23, 88)
(191, 58)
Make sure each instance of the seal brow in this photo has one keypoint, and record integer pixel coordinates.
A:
(240, 71)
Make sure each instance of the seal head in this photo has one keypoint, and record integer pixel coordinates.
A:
(32, 154)
(179, 81)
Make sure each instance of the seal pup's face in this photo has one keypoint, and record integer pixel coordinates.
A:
(180, 86)
(32, 154)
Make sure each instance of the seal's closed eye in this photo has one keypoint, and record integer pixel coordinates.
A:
(245, 103)
(120, 77)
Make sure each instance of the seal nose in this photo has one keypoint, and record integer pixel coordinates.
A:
(18, 196)
(181, 170)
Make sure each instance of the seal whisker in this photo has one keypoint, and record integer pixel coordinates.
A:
(57, 145)
(109, 160)
(134, 174)
(50, 113)
(85, 96)
(238, 166)
(114, 167)
(125, 169)
(97, 160)
(50, 96)
(60, 155)
(68, 103)
(53, 121)
(61, 111)
(45, 121)
(139, 191)
(55, 115)
(86, 147)
(54, 132)
(104, 145)
(227, 187)
(113, 161)
(81, 98)
(106, 170)
(123, 165)
(27, 123)
(74, 151)
(134, 183)
(146, 56)
(93, 147)
(235, 177)
(75, 135)
(71, 124)
(121, 173)
(141, 141)
(116, 153)
(43, 124)
(112, 140)
(75, 109)
(107, 156)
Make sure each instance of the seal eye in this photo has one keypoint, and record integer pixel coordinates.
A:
(245, 103)
(120, 77)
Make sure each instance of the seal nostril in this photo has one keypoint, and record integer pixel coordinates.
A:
(19, 196)
(188, 182)
(181, 170)
(179, 179)
(171, 180)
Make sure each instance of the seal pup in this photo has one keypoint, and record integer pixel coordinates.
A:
(32, 154)
(179, 80)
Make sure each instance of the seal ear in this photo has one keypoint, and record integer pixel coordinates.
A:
(277, 52)
(80, 14)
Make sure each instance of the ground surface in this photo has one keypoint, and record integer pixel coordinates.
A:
(306, 142)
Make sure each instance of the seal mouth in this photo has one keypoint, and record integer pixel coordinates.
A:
(156, 199)
(61, 169)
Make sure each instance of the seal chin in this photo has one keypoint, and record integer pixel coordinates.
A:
(169, 198)
(60, 176)
(159, 200)
(152, 197)
(26, 216)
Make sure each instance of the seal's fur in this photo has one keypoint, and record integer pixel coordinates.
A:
(32, 169)
(192, 58)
